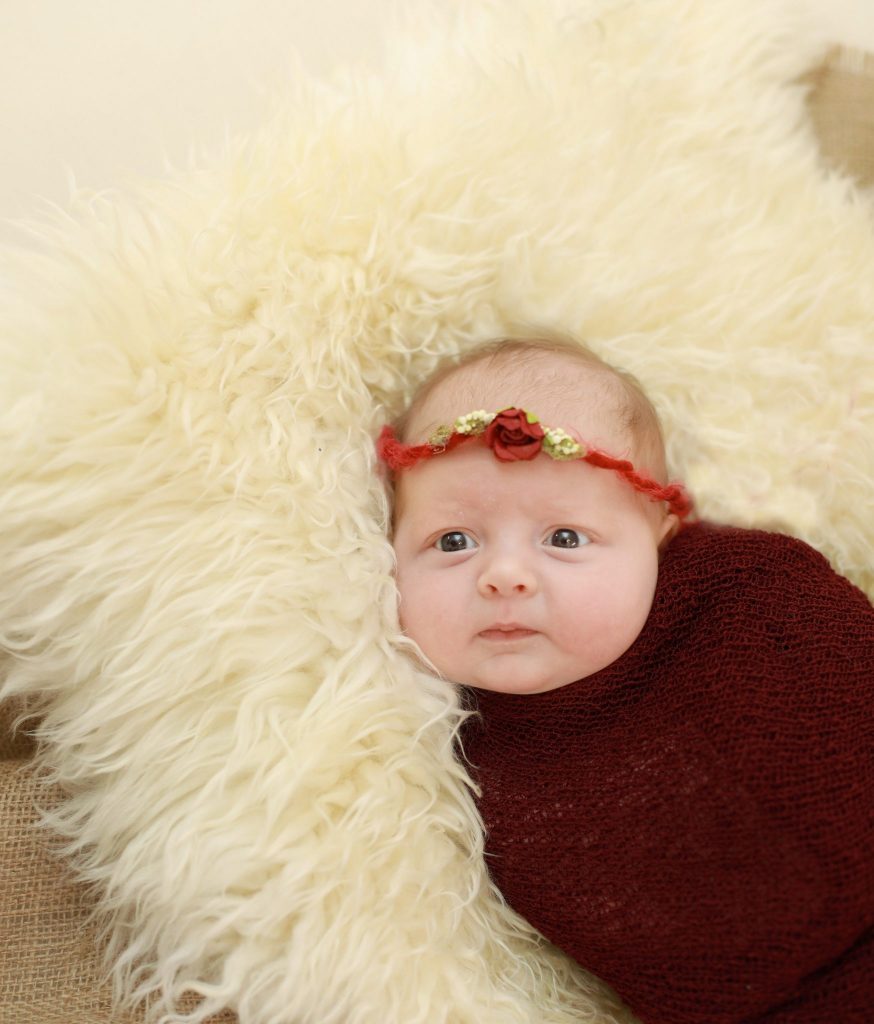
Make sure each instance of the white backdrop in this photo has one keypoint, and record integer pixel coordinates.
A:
(109, 88)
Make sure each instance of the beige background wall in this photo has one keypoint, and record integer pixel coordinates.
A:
(106, 88)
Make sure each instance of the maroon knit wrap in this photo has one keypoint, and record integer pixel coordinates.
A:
(695, 823)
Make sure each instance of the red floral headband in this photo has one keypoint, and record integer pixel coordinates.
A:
(515, 435)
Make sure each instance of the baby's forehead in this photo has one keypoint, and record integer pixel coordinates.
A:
(559, 391)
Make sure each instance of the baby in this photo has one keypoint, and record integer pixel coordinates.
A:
(674, 730)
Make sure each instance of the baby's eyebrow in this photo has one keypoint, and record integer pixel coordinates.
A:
(457, 508)
(442, 511)
(449, 510)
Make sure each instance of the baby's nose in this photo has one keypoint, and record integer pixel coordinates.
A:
(505, 576)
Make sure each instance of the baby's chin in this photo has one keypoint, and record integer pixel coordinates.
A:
(525, 683)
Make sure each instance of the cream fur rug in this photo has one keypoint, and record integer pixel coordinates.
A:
(197, 588)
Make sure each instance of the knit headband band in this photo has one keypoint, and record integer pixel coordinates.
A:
(515, 435)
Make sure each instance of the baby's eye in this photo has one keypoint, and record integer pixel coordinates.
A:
(455, 540)
(566, 538)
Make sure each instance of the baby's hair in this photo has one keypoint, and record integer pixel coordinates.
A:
(621, 392)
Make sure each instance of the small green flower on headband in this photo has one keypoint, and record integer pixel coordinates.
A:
(558, 444)
(471, 424)
(474, 422)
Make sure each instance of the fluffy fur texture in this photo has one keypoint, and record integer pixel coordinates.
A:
(197, 586)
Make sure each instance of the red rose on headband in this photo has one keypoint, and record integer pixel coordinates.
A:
(513, 437)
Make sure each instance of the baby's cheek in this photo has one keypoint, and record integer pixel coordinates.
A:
(417, 612)
(596, 631)
(445, 634)
(407, 609)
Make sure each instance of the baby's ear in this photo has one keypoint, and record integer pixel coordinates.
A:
(668, 530)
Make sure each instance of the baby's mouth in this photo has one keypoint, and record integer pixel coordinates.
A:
(502, 632)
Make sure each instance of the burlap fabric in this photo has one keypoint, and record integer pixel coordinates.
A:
(50, 969)
(842, 108)
(13, 745)
(49, 964)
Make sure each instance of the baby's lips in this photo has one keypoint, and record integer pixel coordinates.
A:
(507, 631)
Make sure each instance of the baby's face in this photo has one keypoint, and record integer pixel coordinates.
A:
(523, 577)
